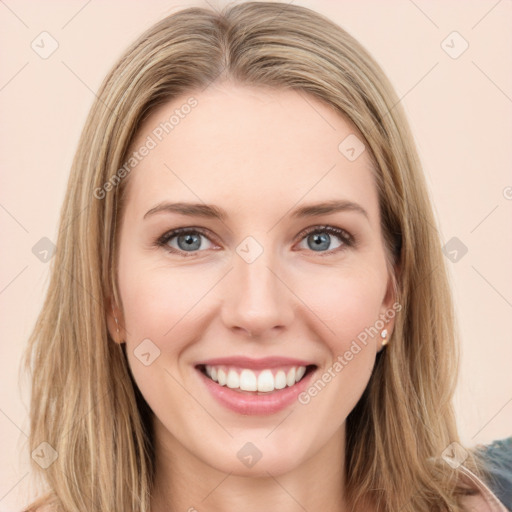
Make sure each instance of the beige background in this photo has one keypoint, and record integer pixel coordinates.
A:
(459, 109)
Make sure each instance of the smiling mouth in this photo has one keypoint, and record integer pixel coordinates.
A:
(256, 382)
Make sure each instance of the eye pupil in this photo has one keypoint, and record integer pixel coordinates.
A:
(320, 241)
(191, 241)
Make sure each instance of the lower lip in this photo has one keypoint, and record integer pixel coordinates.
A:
(252, 404)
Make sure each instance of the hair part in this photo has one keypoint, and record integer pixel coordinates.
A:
(84, 402)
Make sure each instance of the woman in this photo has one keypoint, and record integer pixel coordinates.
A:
(249, 306)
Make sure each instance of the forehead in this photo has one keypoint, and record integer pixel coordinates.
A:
(249, 146)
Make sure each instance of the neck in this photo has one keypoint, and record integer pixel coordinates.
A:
(183, 482)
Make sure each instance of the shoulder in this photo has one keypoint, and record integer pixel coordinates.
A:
(491, 491)
(496, 460)
(481, 499)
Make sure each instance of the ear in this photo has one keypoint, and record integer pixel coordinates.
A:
(390, 306)
(115, 321)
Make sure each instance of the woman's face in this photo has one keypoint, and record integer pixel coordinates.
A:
(248, 292)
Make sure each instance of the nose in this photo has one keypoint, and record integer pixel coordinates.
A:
(257, 300)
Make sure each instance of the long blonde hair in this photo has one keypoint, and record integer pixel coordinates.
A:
(84, 402)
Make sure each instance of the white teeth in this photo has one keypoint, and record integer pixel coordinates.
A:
(233, 380)
(301, 370)
(290, 377)
(280, 380)
(248, 380)
(221, 377)
(266, 381)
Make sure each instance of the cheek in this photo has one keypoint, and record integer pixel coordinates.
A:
(348, 306)
(347, 303)
(160, 321)
(157, 301)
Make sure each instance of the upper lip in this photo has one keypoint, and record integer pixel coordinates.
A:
(255, 364)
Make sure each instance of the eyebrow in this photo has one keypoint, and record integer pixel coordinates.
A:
(214, 212)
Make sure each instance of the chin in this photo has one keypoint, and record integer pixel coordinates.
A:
(257, 456)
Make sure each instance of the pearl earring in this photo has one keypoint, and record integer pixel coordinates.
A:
(383, 335)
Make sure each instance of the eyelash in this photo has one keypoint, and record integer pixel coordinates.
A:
(346, 238)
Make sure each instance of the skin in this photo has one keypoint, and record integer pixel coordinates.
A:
(257, 153)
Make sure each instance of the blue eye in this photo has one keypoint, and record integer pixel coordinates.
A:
(188, 241)
(319, 238)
